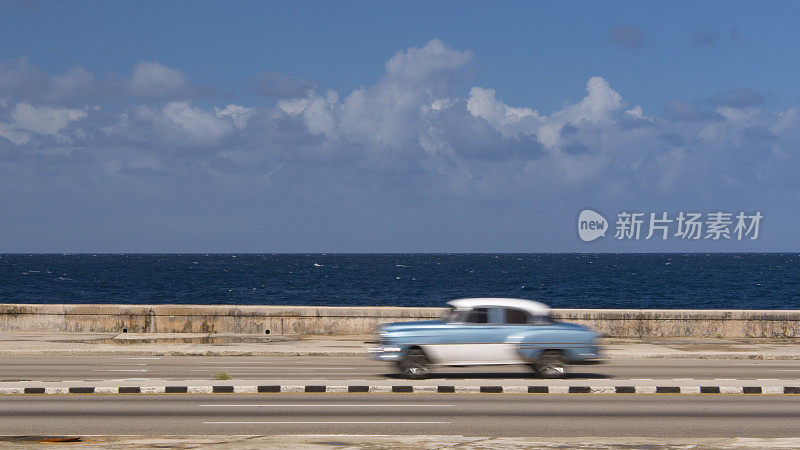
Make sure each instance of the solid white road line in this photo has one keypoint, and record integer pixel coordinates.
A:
(119, 370)
(333, 435)
(279, 367)
(323, 422)
(328, 405)
(783, 362)
(140, 357)
(264, 368)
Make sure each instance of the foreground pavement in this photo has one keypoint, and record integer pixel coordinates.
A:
(346, 441)
(321, 392)
(545, 416)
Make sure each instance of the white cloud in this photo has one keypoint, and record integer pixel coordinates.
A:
(181, 124)
(507, 120)
(196, 123)
(45, 119)
(28, 120)
(389, 115)
(16, 136)
(596, 107)
(149, 80)
(413, 124)
(75, 81)
(637, 113)
(295, 106)
(156, 81)
(418, 64)
(238, 114)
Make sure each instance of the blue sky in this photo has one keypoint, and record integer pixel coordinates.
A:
(391, 126)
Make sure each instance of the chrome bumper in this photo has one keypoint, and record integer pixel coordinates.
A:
(385, 353)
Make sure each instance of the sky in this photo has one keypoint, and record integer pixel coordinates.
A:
(448, 126)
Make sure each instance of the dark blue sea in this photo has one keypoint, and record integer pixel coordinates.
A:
(695, 281)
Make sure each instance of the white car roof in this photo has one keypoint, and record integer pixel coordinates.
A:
(532, 307)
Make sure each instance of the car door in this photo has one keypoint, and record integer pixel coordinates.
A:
(479, 339)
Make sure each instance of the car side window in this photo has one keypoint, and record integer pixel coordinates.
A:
(478, 315)
(516, 316)
(541, 320)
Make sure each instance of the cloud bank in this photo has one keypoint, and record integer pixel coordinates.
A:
(422, 140)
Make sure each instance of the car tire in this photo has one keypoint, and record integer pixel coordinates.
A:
(414, 365)
(551, 365)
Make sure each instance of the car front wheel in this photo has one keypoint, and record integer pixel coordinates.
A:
(551, 365)
(414, 365)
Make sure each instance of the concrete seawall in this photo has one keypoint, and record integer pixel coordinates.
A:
(328, 320)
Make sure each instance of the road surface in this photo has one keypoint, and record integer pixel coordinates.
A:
(404, 414)
(83, 368)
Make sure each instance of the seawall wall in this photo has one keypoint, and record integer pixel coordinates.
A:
(345, 320)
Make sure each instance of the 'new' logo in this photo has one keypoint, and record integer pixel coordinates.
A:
(591, 225)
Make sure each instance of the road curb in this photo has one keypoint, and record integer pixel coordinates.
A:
(403, 389)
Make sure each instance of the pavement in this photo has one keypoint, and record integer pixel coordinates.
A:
(322, 392)
(43, 363)
(327, 416)
(388, 442)
(70, 374)
(198, 344)
(338, 370)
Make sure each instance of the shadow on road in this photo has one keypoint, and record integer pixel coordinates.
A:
(501, 375)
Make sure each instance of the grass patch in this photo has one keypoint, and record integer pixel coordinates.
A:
(222, 376)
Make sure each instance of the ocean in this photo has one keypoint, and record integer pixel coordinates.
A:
(692, 281)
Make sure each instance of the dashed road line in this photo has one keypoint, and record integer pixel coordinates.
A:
(743, 387)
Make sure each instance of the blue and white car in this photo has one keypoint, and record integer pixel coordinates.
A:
(488, 331)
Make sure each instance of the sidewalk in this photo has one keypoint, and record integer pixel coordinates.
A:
(344, 441)
(180, 344)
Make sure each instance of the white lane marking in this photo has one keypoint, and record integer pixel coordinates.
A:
(725, 379)
(334, 435)
(782, 363)
(787, 370)
(328, 405)
(274, 365)
(129, 364)
(261, 372)
(640, 379)
(140, 357)
(119, 370)
(275, 369)
(323, 422)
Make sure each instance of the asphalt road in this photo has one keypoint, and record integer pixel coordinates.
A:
(82, 368)
(409, 414)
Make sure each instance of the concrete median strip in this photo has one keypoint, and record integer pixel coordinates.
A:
(749, 389)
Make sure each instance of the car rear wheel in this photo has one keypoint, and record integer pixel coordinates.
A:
(414, 365)
(551, 365)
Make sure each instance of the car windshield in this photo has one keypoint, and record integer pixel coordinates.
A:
(453, 315)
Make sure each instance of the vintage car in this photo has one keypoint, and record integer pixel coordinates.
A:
(488, 331)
